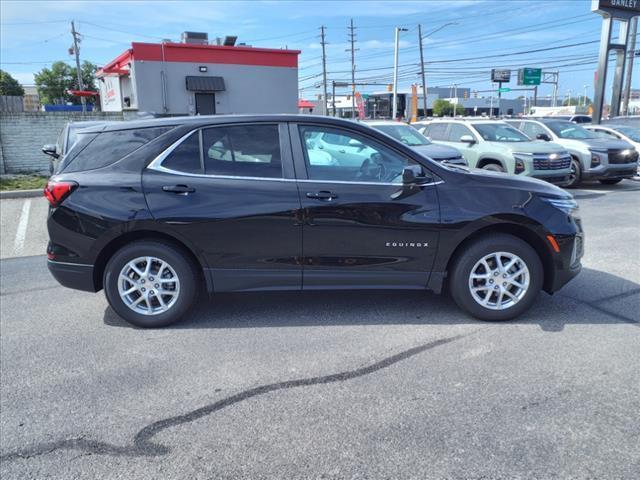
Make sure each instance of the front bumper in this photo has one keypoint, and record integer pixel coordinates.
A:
(554, 177)
(73, 275)
(602, 172)
(567, 263)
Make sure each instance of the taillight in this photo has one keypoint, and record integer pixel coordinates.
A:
(57, 191)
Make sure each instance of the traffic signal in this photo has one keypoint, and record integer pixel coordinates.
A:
(466, 94)
(475, 94)
(390, 87)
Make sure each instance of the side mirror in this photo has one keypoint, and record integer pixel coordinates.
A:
(543, 136)
(412, 174)
(467, 139)
(50, 150)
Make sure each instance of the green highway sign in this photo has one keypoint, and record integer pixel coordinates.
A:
(529, 76)
(504, 90)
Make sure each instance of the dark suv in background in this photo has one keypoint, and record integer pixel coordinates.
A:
(155, 211)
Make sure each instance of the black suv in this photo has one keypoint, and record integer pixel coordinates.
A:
(155, 211)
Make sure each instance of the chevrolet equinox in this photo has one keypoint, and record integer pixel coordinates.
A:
(155, 211)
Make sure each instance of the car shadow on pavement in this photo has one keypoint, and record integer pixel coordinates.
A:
(594, 297)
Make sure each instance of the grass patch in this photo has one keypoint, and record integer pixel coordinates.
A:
(28, 182)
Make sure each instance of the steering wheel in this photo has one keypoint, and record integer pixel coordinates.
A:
(372, 169)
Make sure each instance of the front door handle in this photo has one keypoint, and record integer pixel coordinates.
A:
(323, 195)
(178, 189)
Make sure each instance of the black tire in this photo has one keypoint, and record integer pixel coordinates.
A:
(610, 181)
(575, 178)
(474, 252)
(187, 273)
(493, 167)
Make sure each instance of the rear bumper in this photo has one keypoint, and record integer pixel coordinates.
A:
(73, 275)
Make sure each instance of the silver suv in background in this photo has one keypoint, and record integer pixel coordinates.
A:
(411, 137)
(495, 145)
(592, 157)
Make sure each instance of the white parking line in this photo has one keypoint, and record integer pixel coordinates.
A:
(21, 232)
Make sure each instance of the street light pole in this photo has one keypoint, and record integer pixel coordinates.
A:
(395, 72)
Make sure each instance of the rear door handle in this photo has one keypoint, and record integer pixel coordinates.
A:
(323, 195)
(178, 189)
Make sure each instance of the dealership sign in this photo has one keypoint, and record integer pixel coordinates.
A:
(616, 8)
(500, 75)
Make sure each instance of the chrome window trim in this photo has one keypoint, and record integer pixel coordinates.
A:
(156, 164)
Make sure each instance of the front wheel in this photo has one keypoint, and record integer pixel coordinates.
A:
(151, 283)
(610, 181)
(498, 277)
(575, 176)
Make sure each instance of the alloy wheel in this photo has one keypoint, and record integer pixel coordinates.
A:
(499, 280)
(148, 285)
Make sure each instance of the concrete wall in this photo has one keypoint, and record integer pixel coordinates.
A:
(22, 136)
(248, 88)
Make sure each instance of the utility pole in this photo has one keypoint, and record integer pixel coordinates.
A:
(584, 98)
(424, 78)
(455, 95)
(395, 72)
(325, 100)
(352, 40)
(632, 48)
(76, 50)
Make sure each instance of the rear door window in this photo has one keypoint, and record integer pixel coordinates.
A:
(186, 156)
(243, 151)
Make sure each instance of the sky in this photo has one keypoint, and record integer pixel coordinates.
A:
(476, 35)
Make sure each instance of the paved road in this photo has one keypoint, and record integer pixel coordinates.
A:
(332, 385)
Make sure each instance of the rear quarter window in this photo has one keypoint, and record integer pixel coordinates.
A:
(107, 148)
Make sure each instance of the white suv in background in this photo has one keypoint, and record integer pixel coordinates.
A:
(608, 160)
(495, 145)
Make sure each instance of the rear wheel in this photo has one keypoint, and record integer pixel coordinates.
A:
(498, 277)
(151, 283)
(493, 167)
(575, 176)
(610, 181)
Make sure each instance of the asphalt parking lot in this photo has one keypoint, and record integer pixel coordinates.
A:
(325, 385)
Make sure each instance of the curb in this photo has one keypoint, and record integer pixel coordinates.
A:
(21, 193)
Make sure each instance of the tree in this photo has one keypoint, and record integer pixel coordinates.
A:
(444, 108)
(9, 85)
(55, 82)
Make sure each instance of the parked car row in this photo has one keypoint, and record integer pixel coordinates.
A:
(556, 150)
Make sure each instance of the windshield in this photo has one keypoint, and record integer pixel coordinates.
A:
(570, 130)
(405, 133)
(632, 133)
(500, 132)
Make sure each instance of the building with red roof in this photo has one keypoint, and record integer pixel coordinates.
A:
(194, 77)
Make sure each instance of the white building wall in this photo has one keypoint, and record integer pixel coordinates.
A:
(248, 88)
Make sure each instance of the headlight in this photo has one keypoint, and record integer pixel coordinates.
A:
(521, 159)
(566, 205)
